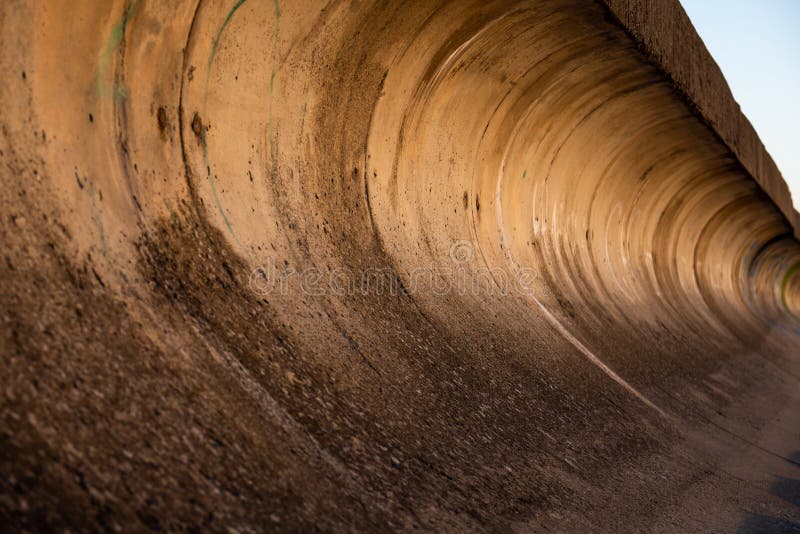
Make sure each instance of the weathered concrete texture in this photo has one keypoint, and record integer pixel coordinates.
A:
(424, 265)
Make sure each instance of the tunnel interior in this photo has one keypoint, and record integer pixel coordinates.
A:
(420, 265)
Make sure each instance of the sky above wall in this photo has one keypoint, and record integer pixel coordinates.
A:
(757, 45)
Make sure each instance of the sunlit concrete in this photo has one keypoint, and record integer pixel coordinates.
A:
(583, 292)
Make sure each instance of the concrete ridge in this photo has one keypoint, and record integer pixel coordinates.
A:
(666, 35)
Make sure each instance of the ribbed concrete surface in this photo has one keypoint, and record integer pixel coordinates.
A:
(451, 265)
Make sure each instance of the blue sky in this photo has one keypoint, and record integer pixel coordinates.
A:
(757, 45)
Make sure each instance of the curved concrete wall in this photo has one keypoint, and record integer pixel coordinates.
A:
(420, 265)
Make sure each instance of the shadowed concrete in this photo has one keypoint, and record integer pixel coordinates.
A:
(423, 265)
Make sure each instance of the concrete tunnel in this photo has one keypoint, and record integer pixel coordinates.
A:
(440, 265)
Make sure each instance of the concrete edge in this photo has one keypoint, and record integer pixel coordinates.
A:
(663, 32)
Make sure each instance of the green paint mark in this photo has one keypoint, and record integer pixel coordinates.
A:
(270, 135)
(173, 216)
(215, 45)
(524, 173)
(98, 221)
(214, 193)
(104, 88)
(786, 279)
(203, 143)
